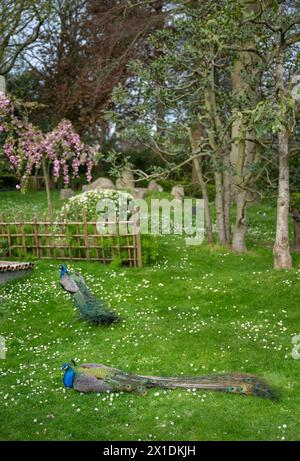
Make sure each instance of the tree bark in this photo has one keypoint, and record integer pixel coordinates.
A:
(240, 181)
(195, 136)
(243, 151)
(47, 184)
(227, 197)
(241, 225)
(220, 208)
(213, 132)
(281, 250)
(207, 215)
(240, 156)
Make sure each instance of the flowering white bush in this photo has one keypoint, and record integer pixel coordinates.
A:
(89, 200)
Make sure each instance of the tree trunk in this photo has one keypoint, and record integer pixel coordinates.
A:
(241, 226)
(216, 127)
(242, 150)
(203, 185)
(47, 184)
(227, 197)
(281, 250)
(220, 209)
(195, 137)
(195, 179)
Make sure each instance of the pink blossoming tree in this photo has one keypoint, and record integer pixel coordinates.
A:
(60, 152)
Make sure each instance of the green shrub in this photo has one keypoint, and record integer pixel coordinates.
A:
(150, 249)
(3, 247)
(295, 200)
(88, 201)
(167, 184)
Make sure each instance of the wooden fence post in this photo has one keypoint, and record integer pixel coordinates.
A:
(36, 234)
(23, 233)
(138, 239)
(139, 249)
(85, 232)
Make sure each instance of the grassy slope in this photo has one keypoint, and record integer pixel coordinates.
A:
(198, 311)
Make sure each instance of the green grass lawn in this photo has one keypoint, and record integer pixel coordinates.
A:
(197, 311)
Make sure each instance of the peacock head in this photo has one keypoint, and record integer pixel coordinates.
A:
(63, 270)
(66, 366)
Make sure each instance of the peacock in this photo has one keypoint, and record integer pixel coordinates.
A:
(91, 309)
(101, 378)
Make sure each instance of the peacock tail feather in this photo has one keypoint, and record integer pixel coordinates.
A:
(234, 383)
(91, 309)
(98, 378)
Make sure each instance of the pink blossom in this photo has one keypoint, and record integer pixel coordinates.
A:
(26, 146)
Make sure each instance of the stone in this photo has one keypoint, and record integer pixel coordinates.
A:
(178, 192)
(119, 184)
(126, 181)
(100, 183)
(153, 185)
(66, 193)
(139, 192)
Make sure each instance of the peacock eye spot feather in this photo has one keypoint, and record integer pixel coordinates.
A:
(141, 390)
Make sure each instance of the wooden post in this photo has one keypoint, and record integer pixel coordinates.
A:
(77, 232)
(61, 236)
(131, 263)
(67, 231)
(118, 239)
(36, 234)
(5, 233)
(9, 239)
(138, 239)
(47, 242)
(85, 231)
(139, 249)
(96, 242)
(23, 233)
(53, 237)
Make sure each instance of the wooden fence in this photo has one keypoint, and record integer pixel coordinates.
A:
(64, 239)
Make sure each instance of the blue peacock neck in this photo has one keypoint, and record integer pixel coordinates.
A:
(63, 271)
(69, 376)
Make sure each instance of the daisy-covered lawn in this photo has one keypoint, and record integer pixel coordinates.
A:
(198, 310)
